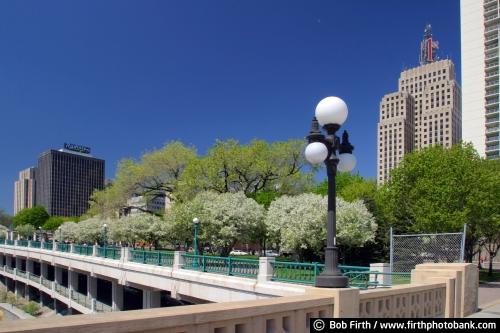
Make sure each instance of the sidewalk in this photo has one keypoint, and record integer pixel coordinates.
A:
(489, 301)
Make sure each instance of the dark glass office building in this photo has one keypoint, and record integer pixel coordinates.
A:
(66, 180)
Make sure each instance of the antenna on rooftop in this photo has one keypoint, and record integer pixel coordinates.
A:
(428, 47)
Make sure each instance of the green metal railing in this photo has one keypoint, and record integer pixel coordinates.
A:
(222, 265)
(85, 250)
(152, 257)
(80, 298)
(2, 240)
(9, 242)
(22, 242)
(370, 279)
(35, 244)
(47, 246)
(109, 252)
(63, 247)
(299, 272)
(102, 307)
(62, 290)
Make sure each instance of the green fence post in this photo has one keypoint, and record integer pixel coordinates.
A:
(315, 269)
(159, 261)
(229, 266)
(203, 263)
(143, 257)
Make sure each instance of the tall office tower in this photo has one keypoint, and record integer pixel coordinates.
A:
(66, 178)
(25, 190)
(426, 110)
(479, 22)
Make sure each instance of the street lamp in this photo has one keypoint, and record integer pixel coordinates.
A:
(196, 222)
(104, 234)
(331, 112)
(60, 238)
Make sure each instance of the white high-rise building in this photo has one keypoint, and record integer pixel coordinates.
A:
(479, 21)
(24, 190)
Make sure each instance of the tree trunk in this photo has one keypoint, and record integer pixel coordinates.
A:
(490, 269)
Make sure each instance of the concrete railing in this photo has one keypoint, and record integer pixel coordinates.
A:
(284, 314)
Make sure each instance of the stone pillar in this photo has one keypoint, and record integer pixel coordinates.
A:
(18, 263)
(92, 290)
(151, 299)
(44, 269)
(27, 292)
(54, 245)
(94, 250)
(345, 301)
(30, 267)
(58, 273)
(465, 283)
(71, 248)
(265, 269)
(8, 261)
(124, 254)
(72, 279)
(117, 296)
(384, 279)
(178, 260)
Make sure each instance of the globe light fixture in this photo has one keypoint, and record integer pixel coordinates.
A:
(331, 110)
(347, 162)
(331, 113)
(316, 152)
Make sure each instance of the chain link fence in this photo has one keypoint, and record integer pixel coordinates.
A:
(407, 251)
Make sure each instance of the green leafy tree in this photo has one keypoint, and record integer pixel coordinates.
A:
(155, 175)
(252, 168)
(5, 219)
(35, 216)
(342, 179)
(439, 190)
(55, 221)
(25, 230)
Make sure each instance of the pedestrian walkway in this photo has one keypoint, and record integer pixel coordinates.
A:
(489, 301)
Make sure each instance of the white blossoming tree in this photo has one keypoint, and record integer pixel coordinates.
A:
(298, 223)
(225, 219)
(67, 232)
(141, 227)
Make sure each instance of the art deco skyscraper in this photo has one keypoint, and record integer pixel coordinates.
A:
(425, 111)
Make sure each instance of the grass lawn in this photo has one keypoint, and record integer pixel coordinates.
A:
(484, 277)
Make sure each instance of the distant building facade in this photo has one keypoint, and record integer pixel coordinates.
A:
(479, 26)
(66, 179)
(425, 111)
(141, 204)
(25, 190)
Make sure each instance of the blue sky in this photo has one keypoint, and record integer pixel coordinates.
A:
(124, 77)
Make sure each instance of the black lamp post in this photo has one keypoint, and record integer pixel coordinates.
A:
(331, 113)
(104, 235)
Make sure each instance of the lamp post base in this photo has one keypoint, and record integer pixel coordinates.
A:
(331, 281)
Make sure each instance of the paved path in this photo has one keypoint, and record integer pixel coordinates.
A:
(489, 301)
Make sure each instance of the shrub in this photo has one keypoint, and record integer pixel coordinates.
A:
(31, 308)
